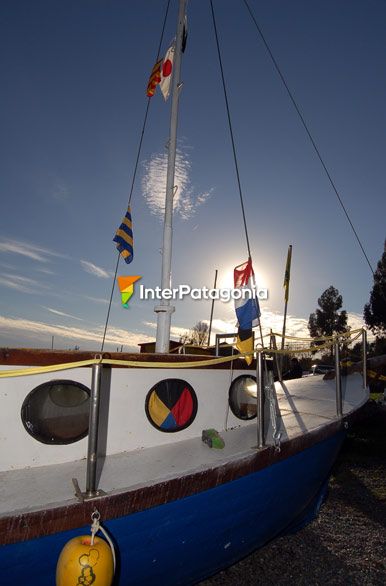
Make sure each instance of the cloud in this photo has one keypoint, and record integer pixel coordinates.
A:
(96, 299)
(45, 271)
(29, 250)
(355, 321)
(295, 326)
(89, 267)
(21, 283)
(57, 312)
(175, 331)
(185, 201)
(41, 331)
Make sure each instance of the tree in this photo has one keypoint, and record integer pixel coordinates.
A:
(327, 320)
(197, 335)
(375, 311)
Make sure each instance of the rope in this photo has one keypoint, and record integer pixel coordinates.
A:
(341, 335)
(234, 150)
(44, 369)
(137, 364)
(276, 65)
(110, 303)
(231, 131)
(134, 175)
(95, 527)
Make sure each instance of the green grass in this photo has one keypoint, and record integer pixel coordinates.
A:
(376, 396)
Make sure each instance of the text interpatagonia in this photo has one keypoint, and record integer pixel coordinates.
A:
(202, 293)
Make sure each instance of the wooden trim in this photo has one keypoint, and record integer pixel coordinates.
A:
(30, 525)
(36, 357)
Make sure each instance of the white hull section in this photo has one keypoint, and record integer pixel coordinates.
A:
(306, 405)
(128, 426)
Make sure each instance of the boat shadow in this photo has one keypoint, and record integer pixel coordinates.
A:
(103, 421)
(302, 559)
(354, 492)
(292, 406)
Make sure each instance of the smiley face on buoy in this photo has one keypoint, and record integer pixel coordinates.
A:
(83, 564)
(87, 561)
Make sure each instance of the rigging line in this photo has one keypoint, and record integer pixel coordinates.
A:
(231, 130)
(110, 303)
(147, 107)
(233, 146)
(276, 65)
(135, 172)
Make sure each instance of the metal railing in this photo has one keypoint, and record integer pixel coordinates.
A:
(95, 398)
(260, 400)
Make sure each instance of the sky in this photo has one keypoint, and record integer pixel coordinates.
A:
(73, 99)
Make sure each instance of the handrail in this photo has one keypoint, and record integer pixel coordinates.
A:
(260, 400)
(338, 381)
(192, 364)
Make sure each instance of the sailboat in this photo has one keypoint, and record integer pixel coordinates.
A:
(177, 510)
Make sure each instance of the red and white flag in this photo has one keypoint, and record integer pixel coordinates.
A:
(166, 71)
(162, 74)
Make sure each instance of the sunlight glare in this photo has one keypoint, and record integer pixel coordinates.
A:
(225, 280)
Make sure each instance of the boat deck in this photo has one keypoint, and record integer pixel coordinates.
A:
(305, 404)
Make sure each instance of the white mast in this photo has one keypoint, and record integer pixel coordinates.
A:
(165, 309)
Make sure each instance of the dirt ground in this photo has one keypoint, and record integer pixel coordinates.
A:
(346, 544)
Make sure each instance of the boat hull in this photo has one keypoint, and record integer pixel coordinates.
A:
(186, 540)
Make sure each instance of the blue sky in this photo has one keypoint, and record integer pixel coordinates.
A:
(74, 76)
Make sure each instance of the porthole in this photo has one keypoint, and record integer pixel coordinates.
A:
(171, 405)
(242, 397)
(57, 412)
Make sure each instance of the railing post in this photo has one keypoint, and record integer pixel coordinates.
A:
(277, 362)
(364, 359)
(93, 429)
(260, 400)
(338, 380)
(217, 344)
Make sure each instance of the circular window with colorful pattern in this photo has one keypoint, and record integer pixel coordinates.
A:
(171, 405)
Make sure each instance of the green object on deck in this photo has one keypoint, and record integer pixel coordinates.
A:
(213, 439)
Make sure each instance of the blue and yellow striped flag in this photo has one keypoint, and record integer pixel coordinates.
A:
(124, 238)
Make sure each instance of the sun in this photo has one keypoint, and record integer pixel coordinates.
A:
(225, 279)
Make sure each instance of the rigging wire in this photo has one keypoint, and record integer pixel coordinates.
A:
(231, 130)
(135, 173)
(276, 65)
(235, 158)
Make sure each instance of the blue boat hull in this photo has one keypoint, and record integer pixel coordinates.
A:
(184, 541)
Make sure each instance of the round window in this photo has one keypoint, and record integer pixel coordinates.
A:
(57, 412)
(171, 405)
(242, 397)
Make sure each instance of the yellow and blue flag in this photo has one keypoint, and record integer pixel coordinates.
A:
(124, 238)
(287, 274)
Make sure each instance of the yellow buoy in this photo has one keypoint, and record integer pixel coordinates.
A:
(82, 563)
